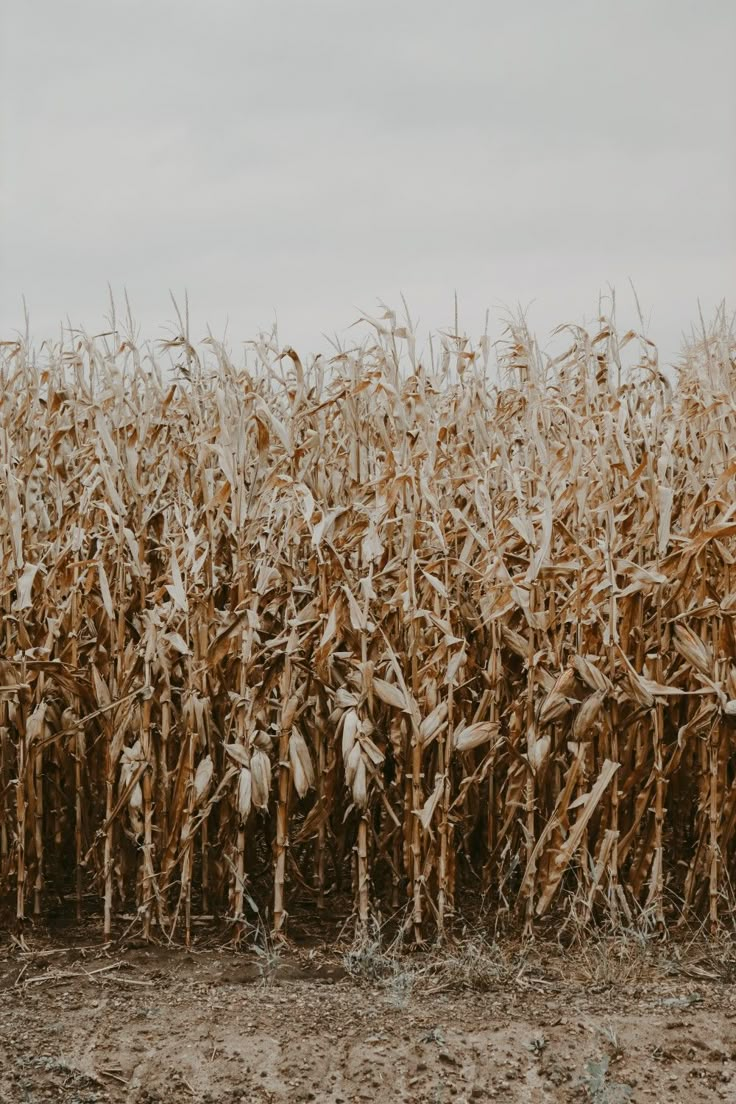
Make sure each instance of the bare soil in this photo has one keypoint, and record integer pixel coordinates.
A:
(152, 1025)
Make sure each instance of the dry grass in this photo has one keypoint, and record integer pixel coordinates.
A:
(278, 631)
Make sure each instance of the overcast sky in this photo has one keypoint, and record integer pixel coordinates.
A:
(303, 159)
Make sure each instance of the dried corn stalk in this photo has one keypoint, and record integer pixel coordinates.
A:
(262, 623)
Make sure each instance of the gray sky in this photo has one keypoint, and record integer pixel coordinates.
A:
(305, 159)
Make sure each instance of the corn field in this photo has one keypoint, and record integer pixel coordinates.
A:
(417, 634)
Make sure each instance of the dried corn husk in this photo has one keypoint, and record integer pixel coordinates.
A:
(390, 694)
(203, 779)
(260, 767)
(588, 673)
(517, 643)
(360, 784)
(245, 792)
(538, 752)
(587, 715)
(35, 724)
(351, 766)
(135, 809)
(350, 729)
(344, 699)
(433, 724)
(692, 648)
(563, 687)
(474, 735)
(554, 707)
(238, 754)
(301, 763)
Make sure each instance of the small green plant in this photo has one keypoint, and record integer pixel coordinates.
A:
(536, 1044)
(268, 953)
(609, 1034)
(599, 1088)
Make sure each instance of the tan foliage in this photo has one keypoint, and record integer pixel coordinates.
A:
(476, 630)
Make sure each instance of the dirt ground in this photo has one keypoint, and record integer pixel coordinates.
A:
(152, 1025)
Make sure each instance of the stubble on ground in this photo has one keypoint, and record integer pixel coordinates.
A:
(153, 1025)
